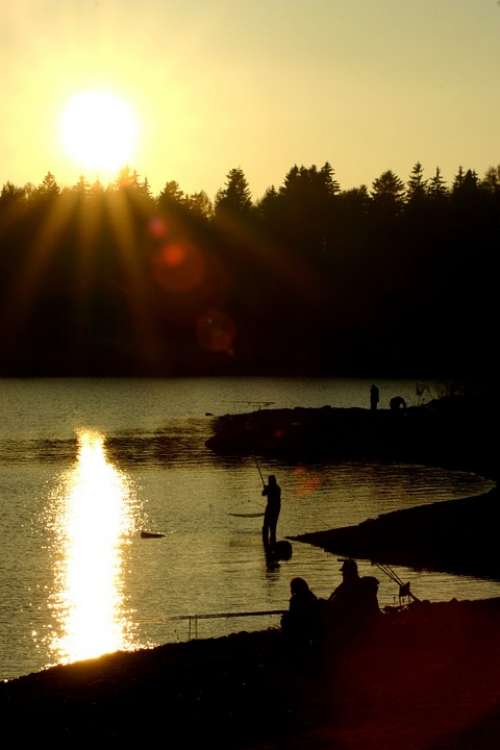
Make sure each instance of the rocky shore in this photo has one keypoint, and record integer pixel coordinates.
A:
(452, 432)
(424, 678)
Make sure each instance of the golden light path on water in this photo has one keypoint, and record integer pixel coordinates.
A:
(93, 523)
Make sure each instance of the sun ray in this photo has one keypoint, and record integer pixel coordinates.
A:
(13, 213)
(137, 297)
(89, 221)
(23, 290)
(299, 275)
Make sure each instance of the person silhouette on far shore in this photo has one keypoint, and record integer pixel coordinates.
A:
(374, 397)
(272, 491)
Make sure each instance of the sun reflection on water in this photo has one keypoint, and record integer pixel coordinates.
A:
(94, 522)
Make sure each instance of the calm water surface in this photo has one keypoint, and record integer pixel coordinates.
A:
(86, 464)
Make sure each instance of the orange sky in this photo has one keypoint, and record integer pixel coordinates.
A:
(366, 84)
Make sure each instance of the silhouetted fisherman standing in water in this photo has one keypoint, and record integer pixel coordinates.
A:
(272, 491)
(374, 397)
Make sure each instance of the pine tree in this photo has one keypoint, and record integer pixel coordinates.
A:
(458, 180)
(327, 174)
(200, 204)
(235, 197)
(416, 184)
(145, 188)
(291, 180)
(491, 180)
(388, 192)
(11, 193)
(82, 187)
(436, 187)
(49, 186)
(171, 195)
(268, 200)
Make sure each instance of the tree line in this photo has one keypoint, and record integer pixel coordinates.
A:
(394, 279)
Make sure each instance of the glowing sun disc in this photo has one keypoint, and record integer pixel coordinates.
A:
(98, 131)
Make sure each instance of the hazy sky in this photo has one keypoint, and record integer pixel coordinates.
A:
(365, 84)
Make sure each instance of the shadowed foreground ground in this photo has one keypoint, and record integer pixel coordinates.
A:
(425, 679)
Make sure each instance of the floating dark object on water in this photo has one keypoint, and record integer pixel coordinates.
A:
(151, 534)
(246, 515)
(282, 550)
(208, 414)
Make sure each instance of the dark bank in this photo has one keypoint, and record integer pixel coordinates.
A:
(427, 677)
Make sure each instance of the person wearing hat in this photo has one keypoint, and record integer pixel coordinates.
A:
(355, 599)
(350, 581)
(272, 491)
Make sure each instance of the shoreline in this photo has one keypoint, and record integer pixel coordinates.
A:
(453, 536)
(452, 432)
(411, 680)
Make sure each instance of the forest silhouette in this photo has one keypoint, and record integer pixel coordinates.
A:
(396, 279)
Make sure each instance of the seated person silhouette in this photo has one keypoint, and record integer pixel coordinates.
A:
(353, 604)
(301, 623)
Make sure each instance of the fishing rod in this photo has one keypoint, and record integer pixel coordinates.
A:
(253, 514)
(260, 473)
(404, 588)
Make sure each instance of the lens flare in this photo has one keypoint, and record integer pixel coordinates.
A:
(158, 227)
(174, 256)
(179, 267)
(216, 332)
(307, 481)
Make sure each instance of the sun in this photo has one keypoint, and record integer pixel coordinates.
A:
(98, 131)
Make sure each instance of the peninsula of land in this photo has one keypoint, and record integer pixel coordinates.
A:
(455, 536)
(453, 432)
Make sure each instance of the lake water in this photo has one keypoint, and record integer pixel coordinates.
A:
(86, 464)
